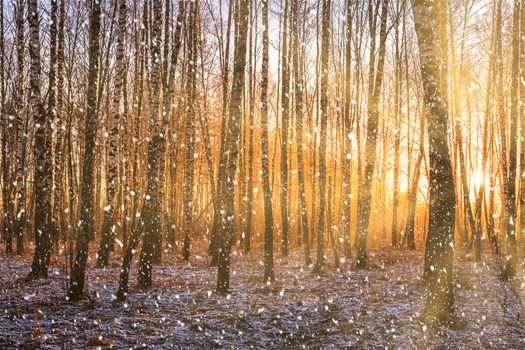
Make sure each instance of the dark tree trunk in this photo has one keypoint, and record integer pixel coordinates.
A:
(412, 202)
(58, 205)
(5, 123)
(249, 189)
(299, 109)
(285, 76)
(189, 142)
(152, 206)
(213, 249)
(269, 274)
(227, 231)
(464, 182)
(51, 107)
(325, 43)
(41, 220)
(374, 91)
(76, 288)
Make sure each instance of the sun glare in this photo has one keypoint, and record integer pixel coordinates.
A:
(478, 179)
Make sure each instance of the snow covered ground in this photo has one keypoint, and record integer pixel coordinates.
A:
(379, 307)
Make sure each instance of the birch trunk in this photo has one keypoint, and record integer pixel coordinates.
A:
(42, 234)
(189, 142)
(17, 215)
(76, 288)
(151, 211)
(108, 227)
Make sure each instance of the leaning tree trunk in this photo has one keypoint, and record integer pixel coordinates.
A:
(108, 228)
(412, 194)
(76, 288)
(440, 239)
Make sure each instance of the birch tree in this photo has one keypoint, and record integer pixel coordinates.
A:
(42, 253)
(108, 226)
(189, 141)
(77, 279)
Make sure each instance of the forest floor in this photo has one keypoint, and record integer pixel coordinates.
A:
(377, 307)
